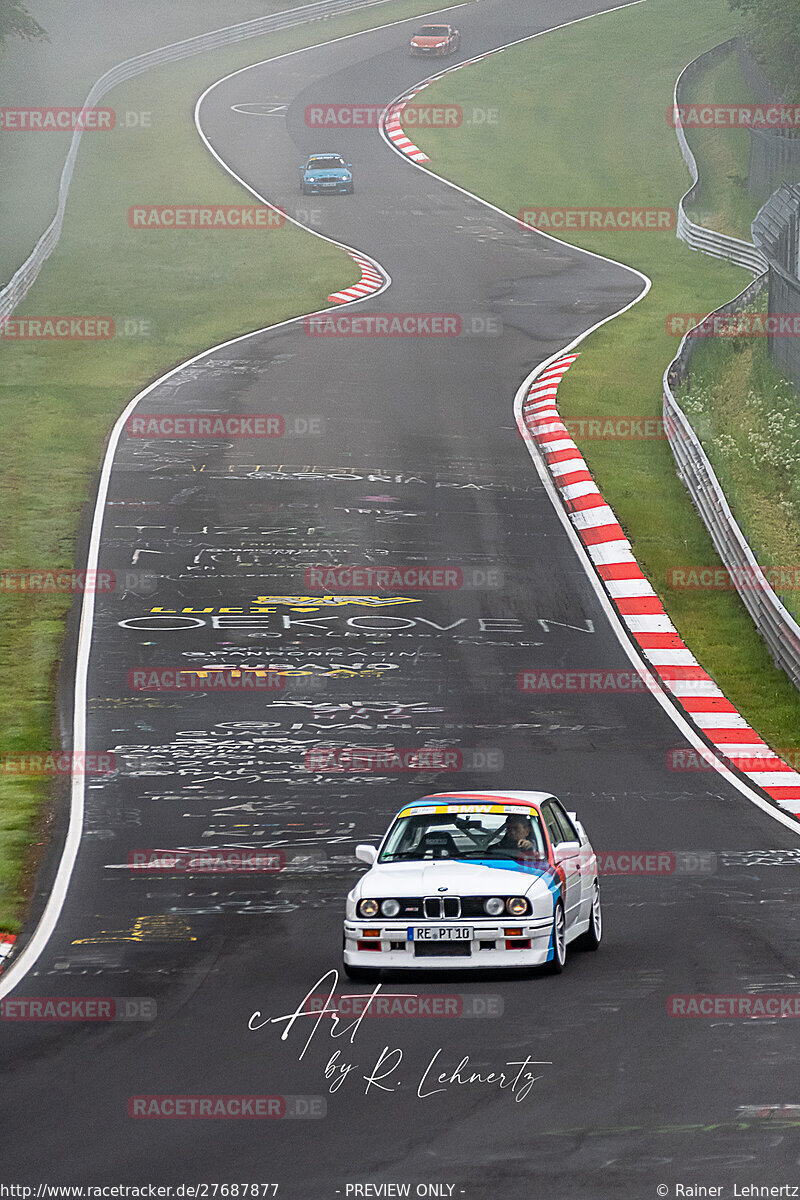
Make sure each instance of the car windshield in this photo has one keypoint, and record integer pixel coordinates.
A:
(320, 164)
(433, 31)
(465, 835)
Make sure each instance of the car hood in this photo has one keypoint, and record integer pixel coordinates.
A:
(327, 173)
(438, 40)
(474, 878)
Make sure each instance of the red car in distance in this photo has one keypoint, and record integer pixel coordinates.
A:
(432, 40)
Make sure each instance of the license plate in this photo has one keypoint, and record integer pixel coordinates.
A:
(439, 933)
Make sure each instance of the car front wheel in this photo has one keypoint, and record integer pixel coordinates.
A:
(556, 964)
(591, 939)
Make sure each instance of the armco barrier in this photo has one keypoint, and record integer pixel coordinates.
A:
(26, 275)
(734, 250)
(776, 232)
(777, 627)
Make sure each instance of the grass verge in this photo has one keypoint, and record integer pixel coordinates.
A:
(58, 401)
(622, 69)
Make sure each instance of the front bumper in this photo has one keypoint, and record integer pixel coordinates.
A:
(429, 51)
(317, 187)
(528, 943)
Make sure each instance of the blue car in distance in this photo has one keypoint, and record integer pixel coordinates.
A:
(325, 173)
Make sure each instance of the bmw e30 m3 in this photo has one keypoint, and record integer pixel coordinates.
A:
(474, 879)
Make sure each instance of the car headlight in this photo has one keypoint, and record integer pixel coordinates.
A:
(367, 908)
(494, 906)
(517, 906)
(390, 908)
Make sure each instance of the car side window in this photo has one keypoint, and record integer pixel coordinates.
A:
(568, 831)
(549, 818)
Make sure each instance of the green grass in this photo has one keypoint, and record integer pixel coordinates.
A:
(59, 401)
(722, 155)
(594, 131)
(746, 416)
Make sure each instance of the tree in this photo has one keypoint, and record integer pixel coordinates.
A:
(16, 21)
(775, 37)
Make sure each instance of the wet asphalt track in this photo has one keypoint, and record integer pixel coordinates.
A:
(419, 461)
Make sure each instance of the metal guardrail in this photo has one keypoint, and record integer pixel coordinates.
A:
(776, 232)
(24, 278)
(778, 628)
(720, 245)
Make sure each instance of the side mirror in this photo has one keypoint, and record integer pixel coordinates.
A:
(349, 166)
(366, 854)
(564, 850)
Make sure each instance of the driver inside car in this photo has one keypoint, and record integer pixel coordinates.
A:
(516, 835)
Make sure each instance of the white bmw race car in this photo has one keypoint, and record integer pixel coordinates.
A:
(474, 879)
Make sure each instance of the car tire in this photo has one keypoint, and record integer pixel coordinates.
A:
(590, 940)
(556, 964)
(350, 190)
(364, 973)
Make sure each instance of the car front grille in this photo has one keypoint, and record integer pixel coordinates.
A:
(456, 908)
(435, 908)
